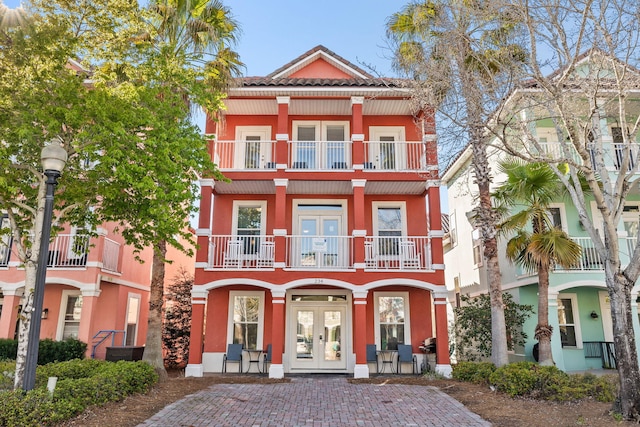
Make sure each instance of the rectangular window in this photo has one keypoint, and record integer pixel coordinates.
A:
(453, 229)
(566, 315)
(249, 220)
(72, 310)
(246, 319)
(556, 217)
(133, 313)
(389, 226)
(392, 319)
(477, 247)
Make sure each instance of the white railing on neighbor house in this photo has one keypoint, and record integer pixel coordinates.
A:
(319, 155)
(397, 253)
(110, 255)
(590, 259)
(68, 250)
(243, 155)
(240, 252)
(395, 155)
(319, 252)
(613, 153)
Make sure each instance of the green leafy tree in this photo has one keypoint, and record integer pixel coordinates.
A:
(473, 325)
(133, 153)
(536, 243)
(459, 54)
(195, 36)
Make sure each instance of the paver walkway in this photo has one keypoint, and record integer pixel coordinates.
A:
(316, 401)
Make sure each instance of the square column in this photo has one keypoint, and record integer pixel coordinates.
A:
(276, 369)
(361, 370)
(196, 337)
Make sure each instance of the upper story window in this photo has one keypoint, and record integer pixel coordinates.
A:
(389, 223)
(249, 219)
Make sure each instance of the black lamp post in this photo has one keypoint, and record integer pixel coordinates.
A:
(53, 158)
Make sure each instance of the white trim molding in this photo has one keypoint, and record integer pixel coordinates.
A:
(194, 370)
(361, 371)
(207, 182)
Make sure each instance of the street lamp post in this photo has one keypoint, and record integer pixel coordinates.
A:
(53, 158)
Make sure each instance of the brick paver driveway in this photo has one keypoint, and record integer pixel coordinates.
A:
(316, 401)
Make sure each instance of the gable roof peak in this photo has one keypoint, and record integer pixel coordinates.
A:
(312, 55)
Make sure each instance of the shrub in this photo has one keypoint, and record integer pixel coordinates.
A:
(48, 350)
(475, 372)
(8, 349)
(104, 382)
(515, 379)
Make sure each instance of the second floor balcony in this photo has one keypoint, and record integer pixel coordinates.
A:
(381, 253)
(74, 251)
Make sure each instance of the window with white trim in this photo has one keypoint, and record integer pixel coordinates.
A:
(249, 221)
(477, 247)
(453, 229)
(253, 147)
(568, 321)
(321, 145)
(392, 319)
(70, 314)
(389, 224)
(246, 312)
(133, 316)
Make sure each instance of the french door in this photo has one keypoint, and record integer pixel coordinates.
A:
(320, 244)
(317, 338)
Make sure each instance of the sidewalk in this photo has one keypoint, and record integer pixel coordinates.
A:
(316, 401)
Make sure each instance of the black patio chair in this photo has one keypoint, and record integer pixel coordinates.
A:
(267, 358)
(372, 356)
(405, 355)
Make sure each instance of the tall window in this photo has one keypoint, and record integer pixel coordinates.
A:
(389, 224)
(252, 155)
(392, 319)
(133, 313)
(71, 311)
(246, 319)
(569, 336)
(249, 224)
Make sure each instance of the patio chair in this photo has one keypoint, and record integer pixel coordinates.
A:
(233, 255)
(267, 358)
(266, 254)
(405, 355)
(372, 356)
(233, 354)
(408, 256)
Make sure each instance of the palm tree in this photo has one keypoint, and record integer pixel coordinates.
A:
(198, 34)
(531, 188)
(464, 50)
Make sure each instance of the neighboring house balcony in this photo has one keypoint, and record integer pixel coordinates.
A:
(75, 251)
(399, 253)
(613, 153)
(328, 156)
(589, 260)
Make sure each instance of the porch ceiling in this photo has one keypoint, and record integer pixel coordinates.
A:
(320, 187)
(329, 106)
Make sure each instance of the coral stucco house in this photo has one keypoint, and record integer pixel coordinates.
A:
(328, 236)
(95, 289)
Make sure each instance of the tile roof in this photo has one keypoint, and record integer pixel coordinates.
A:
(317, 82)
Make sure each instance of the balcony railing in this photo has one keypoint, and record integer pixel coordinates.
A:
(110, 255)
(243, 155)
(613, 153)
(395, 155)
(590, 259)
(240, 252)
(68, 251)
(397, 253)
(319, 252)
(322, 155)
(399, 156)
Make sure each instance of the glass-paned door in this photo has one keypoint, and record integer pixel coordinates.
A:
(336, 153)
(253, 149)
(305, 147)
(387, 153)
(318, 339)
(320, 244)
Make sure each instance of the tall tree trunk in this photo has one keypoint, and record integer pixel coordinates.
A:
(543, 330)
(628, 402)
(25, 322)
(153, 347)
(487, 222)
